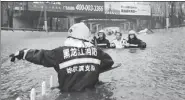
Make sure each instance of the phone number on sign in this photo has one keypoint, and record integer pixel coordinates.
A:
(83, 7)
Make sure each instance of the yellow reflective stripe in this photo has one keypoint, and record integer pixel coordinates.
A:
(79, 61)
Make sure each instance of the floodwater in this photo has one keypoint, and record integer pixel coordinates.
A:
(156, 73)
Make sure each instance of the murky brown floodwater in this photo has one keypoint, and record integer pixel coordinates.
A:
(157, 73)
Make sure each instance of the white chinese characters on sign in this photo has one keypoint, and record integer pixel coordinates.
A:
(81, 68)
(73, 52)
(66, 53)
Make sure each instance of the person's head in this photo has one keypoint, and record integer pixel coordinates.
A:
(101, 35)
(79, 35)
(132, 35)
(79, 31)
(118, 36)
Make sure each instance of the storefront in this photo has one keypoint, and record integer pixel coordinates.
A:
(158, 14)
(70, 10)
(177, 13)
(61, 15)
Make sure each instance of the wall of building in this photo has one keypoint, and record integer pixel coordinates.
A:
(19, 22)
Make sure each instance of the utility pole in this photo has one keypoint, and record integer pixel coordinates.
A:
(8, 14)
(10, 6)
(45, 18)
(167, 15)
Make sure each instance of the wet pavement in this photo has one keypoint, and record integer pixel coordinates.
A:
(156, 73)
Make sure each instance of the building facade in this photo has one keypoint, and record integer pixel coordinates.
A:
(61, 15)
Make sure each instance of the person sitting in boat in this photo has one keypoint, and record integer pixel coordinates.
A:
(78, 63)
(134, 42)
(102, 41)
(119, 42)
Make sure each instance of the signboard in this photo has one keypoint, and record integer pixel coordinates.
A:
(72, 7)
(112, 8)
(127, 8)
(133, 8)
(84, 7)
(50, 6)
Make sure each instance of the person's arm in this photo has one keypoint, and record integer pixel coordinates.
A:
(94, 40)
(106, 61)
(47, 58)
(108, 43)
(141, 44)
(102, 45)
(125, 43)
(131, 44)
(112, 44)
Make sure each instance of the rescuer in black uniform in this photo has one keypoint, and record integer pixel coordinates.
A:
(102, 41)
(78, 63)
(134, 42)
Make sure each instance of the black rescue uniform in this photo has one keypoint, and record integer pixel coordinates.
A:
(77, 68)
(102, 43)
(136, 41)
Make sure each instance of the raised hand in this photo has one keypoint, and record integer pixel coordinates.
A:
(19, 55)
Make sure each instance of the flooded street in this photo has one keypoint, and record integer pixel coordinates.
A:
(156, 73)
